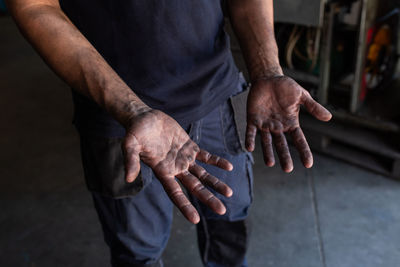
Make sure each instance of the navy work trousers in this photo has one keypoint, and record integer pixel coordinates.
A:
(137, 225)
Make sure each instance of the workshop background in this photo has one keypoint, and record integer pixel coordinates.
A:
(344, 212)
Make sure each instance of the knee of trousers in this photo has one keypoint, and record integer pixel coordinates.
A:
(136, 228)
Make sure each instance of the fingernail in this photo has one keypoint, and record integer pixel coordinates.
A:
(270, 163)
(223, 211)
(229, 193)
(329, 117)
(196, 218)
(230, 167)
(250, 148)
(288, 170)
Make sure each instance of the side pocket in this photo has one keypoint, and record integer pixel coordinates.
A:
(103, 165)
(239, 105)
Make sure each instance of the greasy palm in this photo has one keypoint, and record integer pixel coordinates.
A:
(161, 143)
(273, 109)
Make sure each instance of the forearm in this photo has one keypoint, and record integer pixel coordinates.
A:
(73, 58)
(253, 23)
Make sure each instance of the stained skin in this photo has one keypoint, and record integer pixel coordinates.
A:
(273, 110)
(274, 100)
(154, 137)
(161, 143)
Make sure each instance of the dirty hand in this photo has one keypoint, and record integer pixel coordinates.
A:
(161, 143)
(273, 109)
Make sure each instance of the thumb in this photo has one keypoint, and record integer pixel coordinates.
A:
(315, 109)
(132, 159)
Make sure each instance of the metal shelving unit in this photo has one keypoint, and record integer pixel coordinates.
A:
(351, 136)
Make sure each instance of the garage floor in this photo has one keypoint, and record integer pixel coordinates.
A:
(334, 215)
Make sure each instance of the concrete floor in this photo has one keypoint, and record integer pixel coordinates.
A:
(334, 215)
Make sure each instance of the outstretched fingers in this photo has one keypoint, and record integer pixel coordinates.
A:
(194, 186)
(210, 181)
(266, 143)
(251, 132)
(208, 158)
(175, 193)
(314, 108)
(302, 146)
(282, 150)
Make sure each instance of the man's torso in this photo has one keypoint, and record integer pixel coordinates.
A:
(174, 54)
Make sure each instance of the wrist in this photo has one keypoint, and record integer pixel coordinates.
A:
(266, 74)
(134, 110)
(128, 110)
(268, 78)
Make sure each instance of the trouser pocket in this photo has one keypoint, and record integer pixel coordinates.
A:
(103, 165)
(234, 118)
(239, 105)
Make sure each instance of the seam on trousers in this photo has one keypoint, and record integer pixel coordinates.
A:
(207, 245)
(221, 117)
(199, 130)
(190, 130)
(195, 131)
(206, 233)
(250, 177)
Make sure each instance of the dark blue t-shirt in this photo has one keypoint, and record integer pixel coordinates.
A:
(174, 54)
